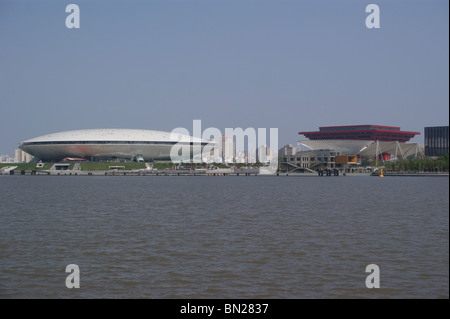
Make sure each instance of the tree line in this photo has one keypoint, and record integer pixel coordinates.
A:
(440, 164)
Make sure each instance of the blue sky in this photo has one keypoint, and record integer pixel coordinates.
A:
(293, 65)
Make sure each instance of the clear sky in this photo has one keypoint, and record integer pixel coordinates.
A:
(160, 64)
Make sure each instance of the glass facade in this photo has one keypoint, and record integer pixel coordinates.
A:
(436, 140)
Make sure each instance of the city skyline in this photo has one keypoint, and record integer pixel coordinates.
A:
(159, 65)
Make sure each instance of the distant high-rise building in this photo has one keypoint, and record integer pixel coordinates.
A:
(22, 157)
(287, 150)
(436, 141)
(228, 149)
(263, 154)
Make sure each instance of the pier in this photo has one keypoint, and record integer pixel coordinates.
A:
(140, 172)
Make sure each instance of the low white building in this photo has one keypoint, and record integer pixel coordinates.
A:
(6, 159)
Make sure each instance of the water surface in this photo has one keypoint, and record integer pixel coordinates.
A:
(224, 236)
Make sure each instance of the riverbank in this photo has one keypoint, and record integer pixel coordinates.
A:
(138, 170)
(417, 174)
(168, 172)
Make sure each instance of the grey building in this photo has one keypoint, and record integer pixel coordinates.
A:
(307, 161)
(436, 140)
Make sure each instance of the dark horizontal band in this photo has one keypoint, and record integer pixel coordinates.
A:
(169, 143)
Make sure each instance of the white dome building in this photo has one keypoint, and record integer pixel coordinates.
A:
(108, 144)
